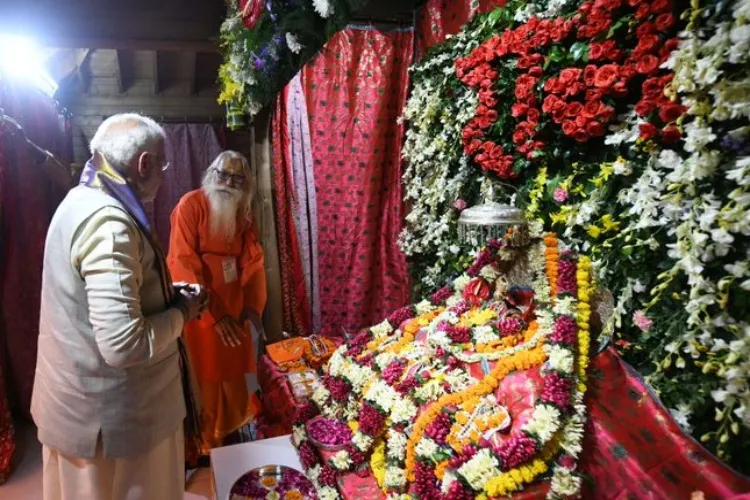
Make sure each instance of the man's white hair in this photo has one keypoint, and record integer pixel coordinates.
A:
(246, 203)
(122, 137)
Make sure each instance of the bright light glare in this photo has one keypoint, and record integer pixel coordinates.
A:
(22, 59)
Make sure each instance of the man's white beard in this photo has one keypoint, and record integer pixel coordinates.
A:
(224, 203)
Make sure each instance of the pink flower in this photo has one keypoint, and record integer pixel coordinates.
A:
(400, 315)
(371, 421)
(516, 451)
(338, 388)
(459, 204)
(564, 331)
(642, 321)
(393, 372)
(439, 428)
(557, 390)
(566, 276)
(441, 295)
(561, 196)
(510, 325)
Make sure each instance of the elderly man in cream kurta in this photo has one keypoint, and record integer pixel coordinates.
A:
(108, 396)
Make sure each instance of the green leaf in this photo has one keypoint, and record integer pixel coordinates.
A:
(580, 51)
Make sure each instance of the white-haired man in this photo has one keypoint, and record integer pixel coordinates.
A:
(109, 397)
(214, 242)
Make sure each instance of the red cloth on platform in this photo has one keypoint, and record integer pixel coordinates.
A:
(356, 89)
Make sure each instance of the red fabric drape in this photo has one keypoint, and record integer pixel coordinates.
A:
(356, 89)
(438, 18)
(28, 197)
(296, 305)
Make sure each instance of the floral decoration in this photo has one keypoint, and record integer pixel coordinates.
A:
(621, 125)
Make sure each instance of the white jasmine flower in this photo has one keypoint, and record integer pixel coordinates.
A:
(323, 7)
(382, 329)
(394, 477)
(314, 472)
(482, 467)
(424, 307)
(403, 411)
(559, 358)
(299, 434)
(565, 482)
(361, 441)
(490, 273)
(544, 422)
(341, 460)
(460, 283)
(396, 445)
(426, 448)
(328, 493)
(682, 414)
(484, 334)
(293, 43)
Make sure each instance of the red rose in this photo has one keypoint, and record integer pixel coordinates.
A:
(670, 134)
(581, 121)
(606, 76)
(524, 62)
(646, 28)
(645, 107)
(648, 64)
(569, 127)
(487, 146)
(644, 10)
(671, 112)
(519, 136)
(606, 114)
(574, 89)
(536, 71)
(596, 51)
(634, 3)
(589, 73)
(573, 109)
(570, 75)
(581, 135)
(534, 116)
(593, 94)
(652, 88)
(591, 108)
(664, 22)
(648, 131)
(620, 89)
(522, 91)
(557, 34)
(548, 104)
(558, 114)
(595, 129)
(484, 123)
(497, 152)
(662, 6)
(666, 79)
(518, 109)
(647, 44)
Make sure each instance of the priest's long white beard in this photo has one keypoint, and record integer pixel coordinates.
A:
(224, 204)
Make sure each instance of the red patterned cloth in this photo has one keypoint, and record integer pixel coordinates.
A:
(438, 18)
(355, 89)
(296, 305)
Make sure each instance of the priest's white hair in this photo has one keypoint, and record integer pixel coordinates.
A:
(124, 136)
(248, 189)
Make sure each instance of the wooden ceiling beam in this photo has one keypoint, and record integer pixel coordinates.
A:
(124, 68)
(157, 81)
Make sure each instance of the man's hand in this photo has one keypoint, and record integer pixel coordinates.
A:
(191, 304)
(254, 318)
(230, 331)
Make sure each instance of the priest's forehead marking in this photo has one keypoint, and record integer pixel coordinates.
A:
(233, 166)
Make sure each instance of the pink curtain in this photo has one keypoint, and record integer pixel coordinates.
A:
(190, 149)
(355, 90)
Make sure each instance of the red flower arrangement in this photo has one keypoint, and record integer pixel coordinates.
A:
(580, 100)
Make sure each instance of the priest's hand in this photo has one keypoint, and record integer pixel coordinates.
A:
(230, 331)
(254, 318)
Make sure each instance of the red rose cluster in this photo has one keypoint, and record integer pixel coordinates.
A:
(476, 72)
(580, 100)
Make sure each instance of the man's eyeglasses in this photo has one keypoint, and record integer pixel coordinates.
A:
(235, 179)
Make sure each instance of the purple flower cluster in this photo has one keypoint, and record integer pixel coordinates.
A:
(295, 480)
(439, 428)
(516, 451)
(393, 372)
(327, 476)
(400, 315)
(510, 325)
(339, 388)
(357, 456)
(458, 491)
(566, 276)
(307, 455)
(407, 385)
(484, 258)
(458, 334)
(304, 413)
(371, 421)
(425, 482)
(467, 454)
(557, 390)
(441, 295)
(461, 307)
(564, 331)
(329, 431)
(358, 343)
(367, 360)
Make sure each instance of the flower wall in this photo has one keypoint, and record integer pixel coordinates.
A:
(266, 42)
(622, 126)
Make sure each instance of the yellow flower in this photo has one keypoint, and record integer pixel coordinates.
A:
(594, 231)
(377, 462)
(353, 425)
(558, 218)
(609, 223)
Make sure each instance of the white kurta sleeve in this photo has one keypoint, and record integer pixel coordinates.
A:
(107, 251)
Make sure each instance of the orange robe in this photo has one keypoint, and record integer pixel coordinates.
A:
(196, 256)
